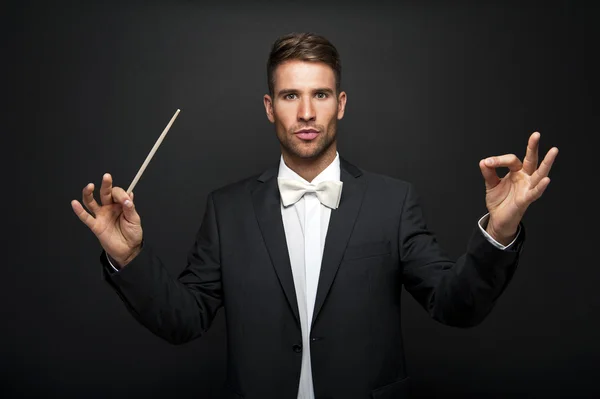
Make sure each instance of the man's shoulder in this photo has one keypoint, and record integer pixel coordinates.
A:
(384, 181)
(242, 187)
(237, 187)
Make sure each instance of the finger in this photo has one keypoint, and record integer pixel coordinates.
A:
(545, 167)
(537, 191)
(120, 196)
(509, 161)
(531, 157)
(106, 190)
(489, 175)
(88, 198)
(85, 217)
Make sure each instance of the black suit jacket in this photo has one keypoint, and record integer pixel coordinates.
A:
(377, 242)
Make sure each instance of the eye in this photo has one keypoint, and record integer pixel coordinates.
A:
(321, 95)
(290, 96)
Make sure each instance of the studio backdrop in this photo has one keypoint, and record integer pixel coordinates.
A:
(433, 87)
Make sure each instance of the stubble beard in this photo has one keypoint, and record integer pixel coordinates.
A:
(311, 150)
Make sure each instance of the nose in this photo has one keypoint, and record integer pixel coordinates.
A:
(306, 110)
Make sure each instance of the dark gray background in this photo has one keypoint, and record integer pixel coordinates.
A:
(432, 87)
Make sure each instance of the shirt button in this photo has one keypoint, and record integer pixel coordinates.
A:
(297, 348)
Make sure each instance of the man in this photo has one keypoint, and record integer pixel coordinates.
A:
(309, 258)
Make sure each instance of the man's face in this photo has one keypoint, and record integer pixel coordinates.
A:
(305, 108)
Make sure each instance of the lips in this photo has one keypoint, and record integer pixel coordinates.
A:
(307, 134)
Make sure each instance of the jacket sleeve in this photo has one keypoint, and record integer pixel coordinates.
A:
(460, 293)
(176, 309)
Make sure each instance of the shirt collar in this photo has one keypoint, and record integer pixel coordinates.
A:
(331, 172)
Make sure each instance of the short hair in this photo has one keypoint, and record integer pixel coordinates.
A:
(304, 47)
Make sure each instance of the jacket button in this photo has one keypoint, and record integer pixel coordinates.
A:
(297, 348)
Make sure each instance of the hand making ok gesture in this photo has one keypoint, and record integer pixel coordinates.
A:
(115, 222)
(507, 198)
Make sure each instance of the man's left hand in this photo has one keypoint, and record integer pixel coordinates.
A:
(507, 198)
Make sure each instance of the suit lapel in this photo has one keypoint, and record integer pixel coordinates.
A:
(267, 205)
(340, 228)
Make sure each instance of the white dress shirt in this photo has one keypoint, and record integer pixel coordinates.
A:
(306, 276)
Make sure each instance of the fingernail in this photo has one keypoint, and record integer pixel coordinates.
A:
(128, 203)
(489, 162)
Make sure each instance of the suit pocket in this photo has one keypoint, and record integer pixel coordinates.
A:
(399, 389)
(367, 250)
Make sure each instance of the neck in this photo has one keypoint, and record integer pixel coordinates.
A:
(310, 168)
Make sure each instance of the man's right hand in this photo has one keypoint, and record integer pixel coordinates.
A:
(116, 222)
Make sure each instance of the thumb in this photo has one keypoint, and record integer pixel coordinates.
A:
(121, 197)
(130, 212)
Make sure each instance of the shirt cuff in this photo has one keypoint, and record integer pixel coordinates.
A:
(483, 224)
(113, 266)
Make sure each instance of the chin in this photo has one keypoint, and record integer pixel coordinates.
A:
(304, 150)
(309, 153)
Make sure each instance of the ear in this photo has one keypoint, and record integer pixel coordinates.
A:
(268, 102)
(341, 105)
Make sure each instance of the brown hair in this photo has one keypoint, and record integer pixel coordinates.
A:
(304, 47)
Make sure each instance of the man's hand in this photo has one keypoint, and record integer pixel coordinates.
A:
(507, 198)
(116, 222)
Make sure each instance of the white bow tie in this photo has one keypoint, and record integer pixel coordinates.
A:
(328, 192)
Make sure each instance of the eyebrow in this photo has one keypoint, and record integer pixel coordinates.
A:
(284, 92)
